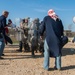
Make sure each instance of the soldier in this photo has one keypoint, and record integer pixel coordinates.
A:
(35, 37)
(20, 35)
(24, 35)
(26, 44)
(30, 31)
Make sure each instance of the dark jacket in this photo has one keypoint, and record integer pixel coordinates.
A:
(2, 24)
(54, 31)
(58, 28)
(2, 29)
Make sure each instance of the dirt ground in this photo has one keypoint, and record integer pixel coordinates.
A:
(22, 63)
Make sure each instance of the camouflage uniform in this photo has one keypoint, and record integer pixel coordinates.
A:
(24, 36)
(30, 31)
(35, 38)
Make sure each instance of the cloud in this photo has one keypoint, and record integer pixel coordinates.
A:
(17, 19)
(55, 8)
(40, 10)
(61, 9)
(31, 19)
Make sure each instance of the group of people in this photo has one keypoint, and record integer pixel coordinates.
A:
(49, 33)
(28, 35)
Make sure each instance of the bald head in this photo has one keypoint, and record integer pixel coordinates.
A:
(5, 13)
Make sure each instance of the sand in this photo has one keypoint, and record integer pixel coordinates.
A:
(22, 63)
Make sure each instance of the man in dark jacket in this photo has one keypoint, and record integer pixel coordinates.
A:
(52, 44)
(2, 31)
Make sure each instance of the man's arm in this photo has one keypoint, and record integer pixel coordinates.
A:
(62, 28)
(42, 28)
(4, 23)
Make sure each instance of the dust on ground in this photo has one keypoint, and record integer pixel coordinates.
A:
(22, 63)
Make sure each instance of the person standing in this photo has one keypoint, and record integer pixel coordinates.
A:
(35, 36)
(21, 35)
(2, 31)
(24, 36)
(52, 44)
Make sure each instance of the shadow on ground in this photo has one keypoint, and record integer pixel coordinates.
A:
(68, 67)
(22, 57)
(68, 51)
(64, 68)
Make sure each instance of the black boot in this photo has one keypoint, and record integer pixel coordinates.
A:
(20, 47)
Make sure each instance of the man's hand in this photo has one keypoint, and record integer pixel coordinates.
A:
(72, 41)
(41, 37)
(9, 24)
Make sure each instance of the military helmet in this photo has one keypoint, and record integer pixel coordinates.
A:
(27, 18)
(36, 20)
